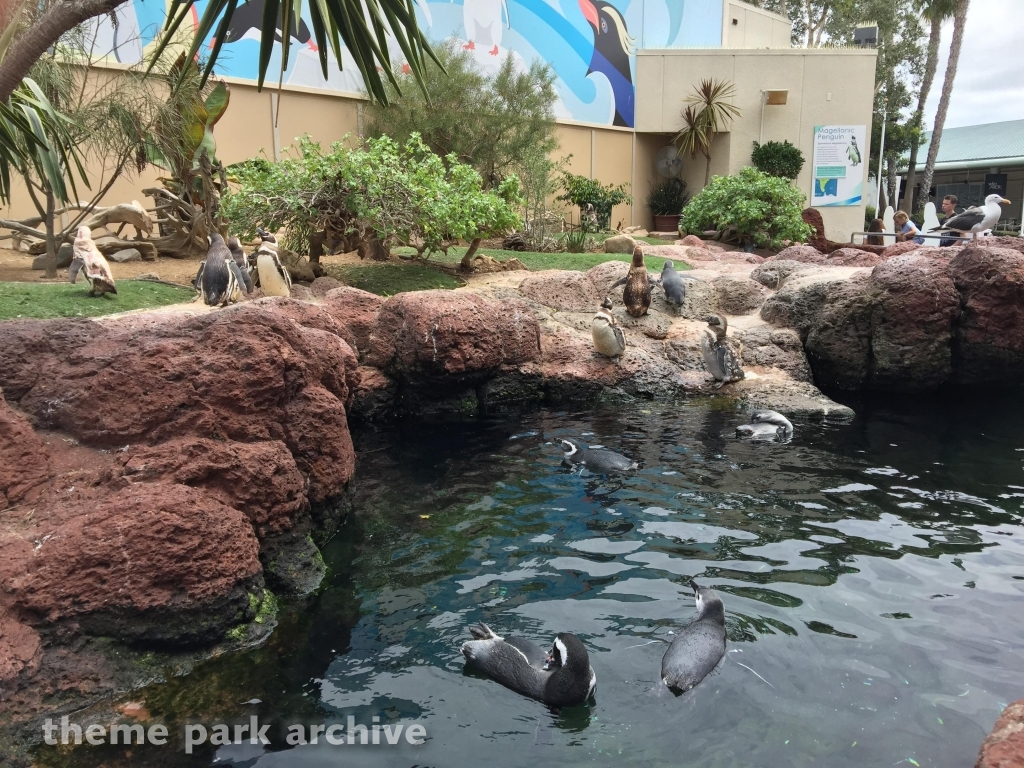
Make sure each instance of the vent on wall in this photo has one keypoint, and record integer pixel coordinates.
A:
(735, 22)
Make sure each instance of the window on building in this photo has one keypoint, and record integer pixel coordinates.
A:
(966, 194)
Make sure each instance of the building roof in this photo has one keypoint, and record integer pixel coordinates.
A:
(981, 145)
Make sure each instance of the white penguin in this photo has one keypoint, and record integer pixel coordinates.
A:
(609, 339)
(87, 257)
(274, 277)
(482, 20)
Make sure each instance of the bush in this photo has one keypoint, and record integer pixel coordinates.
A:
(763, 209)
(581, 192)
(870, 214)
(780, 159)
(668, 198)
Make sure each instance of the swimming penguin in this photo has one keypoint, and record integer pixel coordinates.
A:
(696, 650)
(719, 358)
(766, 425)
(219, 276)
(637, 293)
(88, 259)
(561, 678)
(274, 277)
(673, 283)
(609, 340)
(596, 459)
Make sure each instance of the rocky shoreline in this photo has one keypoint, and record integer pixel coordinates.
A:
(165, 475)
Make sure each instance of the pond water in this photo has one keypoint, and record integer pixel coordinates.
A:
(872, 574)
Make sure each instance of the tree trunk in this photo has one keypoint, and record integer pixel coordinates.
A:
(959, 19)
(891, 178)
(467, 260)
(707, 168)
(51, 244)
(931, 64)
(32, 43)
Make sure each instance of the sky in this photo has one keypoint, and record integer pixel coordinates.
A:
(989, 85)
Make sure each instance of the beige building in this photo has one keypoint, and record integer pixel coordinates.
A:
(823, 87)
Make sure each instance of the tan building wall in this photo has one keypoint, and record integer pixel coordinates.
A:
(744, 26)
(602, 153)
(826, 87)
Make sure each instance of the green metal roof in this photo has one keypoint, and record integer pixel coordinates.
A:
(972, 143)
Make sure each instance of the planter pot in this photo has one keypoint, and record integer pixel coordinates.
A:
(666, 223)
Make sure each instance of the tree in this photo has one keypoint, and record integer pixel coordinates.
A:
(959, 20)
(498, 124)
(779, 158)
(708, 113)
(936, 12)
(584, 192)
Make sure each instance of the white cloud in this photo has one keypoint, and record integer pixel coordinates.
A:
(989, 85)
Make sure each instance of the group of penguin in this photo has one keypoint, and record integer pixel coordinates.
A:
(609, 340)
(227, 271)
(563, 677)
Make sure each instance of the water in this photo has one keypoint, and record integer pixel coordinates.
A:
(872, 574)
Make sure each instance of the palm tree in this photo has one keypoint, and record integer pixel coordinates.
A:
(959, 20)
(936, 12)
(707, 113)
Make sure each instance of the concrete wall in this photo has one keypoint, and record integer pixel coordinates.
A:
(826, 87)
(601, 153)
(744, 26)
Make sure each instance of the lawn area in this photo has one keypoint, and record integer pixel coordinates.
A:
(47, 300)
(580, 262)
(389, 278)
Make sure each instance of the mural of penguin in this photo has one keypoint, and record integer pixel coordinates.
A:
(482, 20)
(612, 49)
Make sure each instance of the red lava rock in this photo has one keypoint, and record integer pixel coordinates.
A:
(898, 249)
(1003, 241)
(258, 479)
(804, 253)
(812, 217)
(566, 290)
(24, 457)
(1004, 747)
(157, 562)
(432, 335)
(990, 333)
(307, 315)
(852, 257)
(20, 650)
(914, 308)
(356, 310)
(324, 285)
(694, 241)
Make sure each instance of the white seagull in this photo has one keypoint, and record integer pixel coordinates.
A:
(976, 218)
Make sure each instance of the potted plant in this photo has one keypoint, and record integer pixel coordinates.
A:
(666, 202)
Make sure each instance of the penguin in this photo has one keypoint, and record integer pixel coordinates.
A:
(637, 293)
(219, 275)
(766, 425)
(482, 20)
(696, 650)
(599, 460)
(561, 678)
(242, 276)
(612, 48)
(249, 17)
(853, 151)
(274, 277)
(87, 257)
(672, 284)
(719, 358)
(609, 340)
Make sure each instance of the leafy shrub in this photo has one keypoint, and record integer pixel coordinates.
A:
(581, 192)
(668, 198)
(870, 214)
(763, 209)
(780, 159)
(404, 195)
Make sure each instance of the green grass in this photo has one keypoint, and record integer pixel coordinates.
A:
(48, 300)
(387, 279)
(580, 262)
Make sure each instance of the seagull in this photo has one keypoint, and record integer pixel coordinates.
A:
(976, 218)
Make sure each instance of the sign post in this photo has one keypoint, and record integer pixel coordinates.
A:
(838, 165)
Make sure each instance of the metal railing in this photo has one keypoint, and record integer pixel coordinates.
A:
(892, 235)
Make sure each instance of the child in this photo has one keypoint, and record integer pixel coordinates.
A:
(876, 226)
(906, 229)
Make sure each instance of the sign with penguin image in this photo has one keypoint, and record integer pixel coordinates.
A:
(838, 165)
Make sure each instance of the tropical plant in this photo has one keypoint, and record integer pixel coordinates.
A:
(708, 113)
(778, 158)
(935, 12)
(668, 198)
(496, 123)
(959, 20)
(759, 208)
(583, 192)
(577, 239)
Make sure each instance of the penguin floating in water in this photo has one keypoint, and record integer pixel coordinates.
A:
(637, 293)
(766, 425)
(719, 358)
(609, 340)
(562, 677)
(596, 459)
(219, 278)
(88, 260)
(274, 277)
(696, 650)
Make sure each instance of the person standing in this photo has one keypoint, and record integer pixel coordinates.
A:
(949, 209)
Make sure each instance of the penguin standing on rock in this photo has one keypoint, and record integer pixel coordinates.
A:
(243, 276)
(637, 293)
(696, 650)
(672, 283)
(562, 677)
(274, 277)
(609, 340)
(219, 276)
(721, 361)
(88, 259)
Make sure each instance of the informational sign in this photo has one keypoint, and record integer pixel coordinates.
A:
(838, 169)
(995, 184)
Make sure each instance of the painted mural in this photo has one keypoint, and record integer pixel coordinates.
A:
(590, 44)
